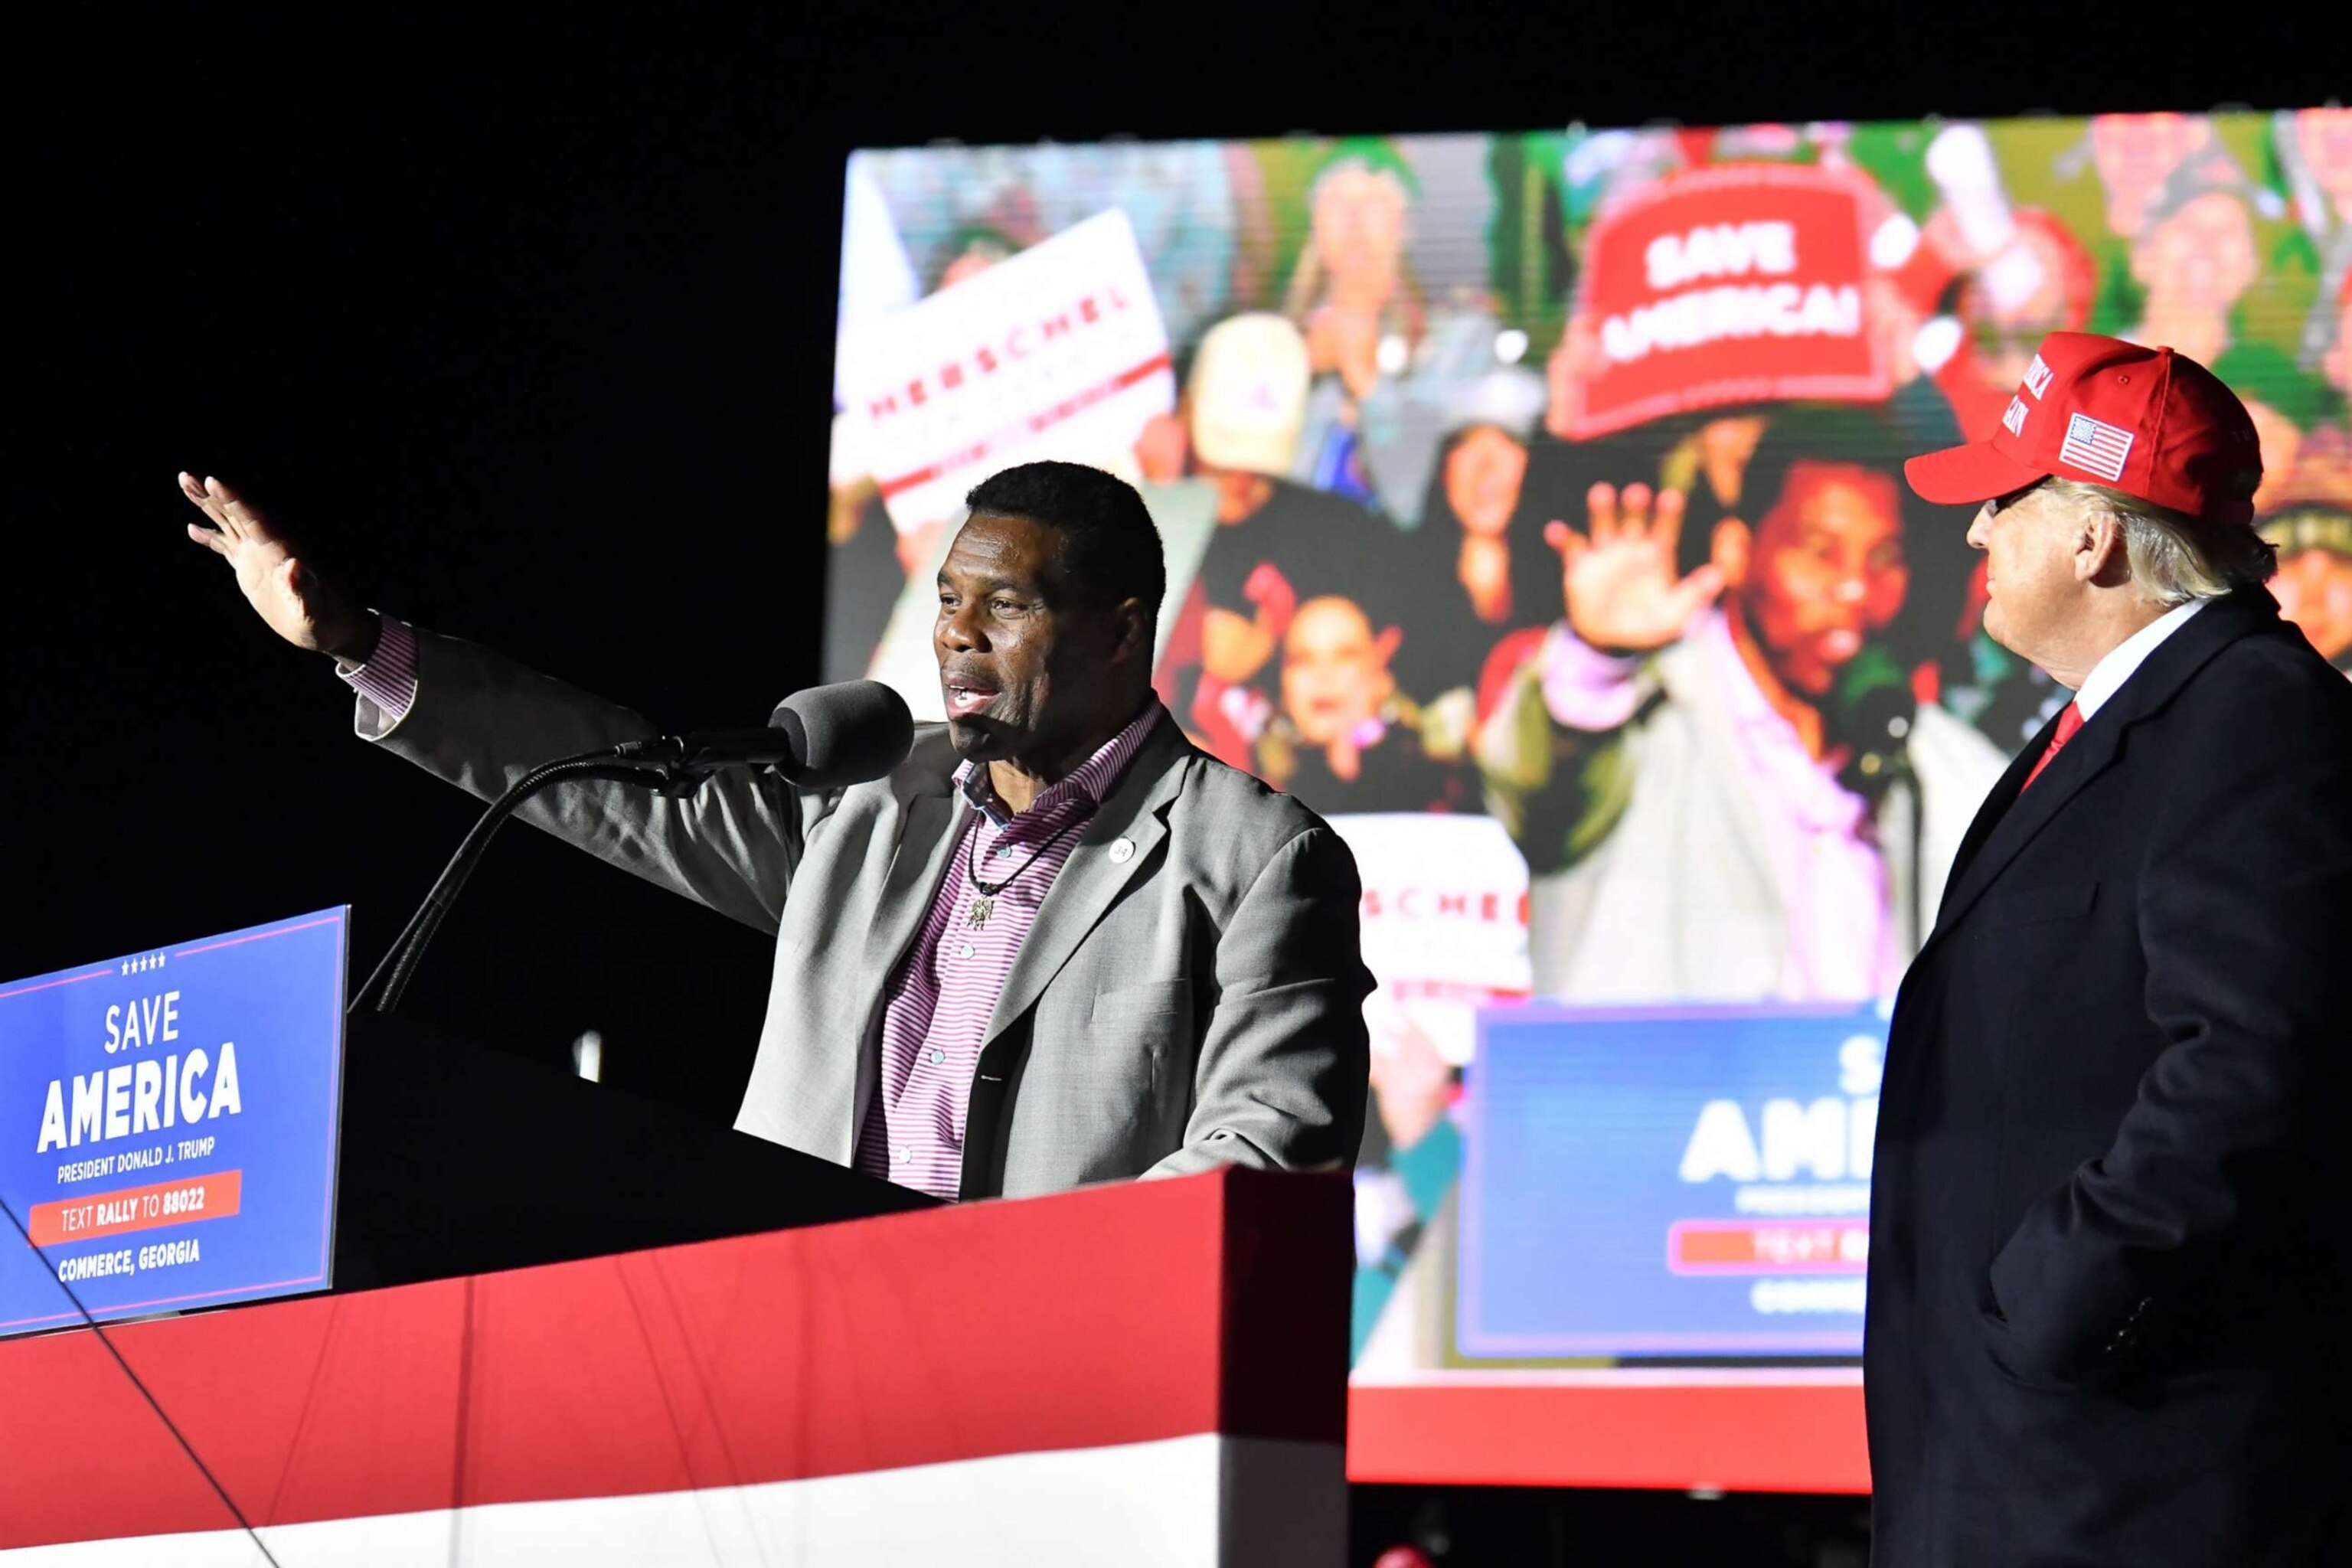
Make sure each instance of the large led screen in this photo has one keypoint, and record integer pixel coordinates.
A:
(1533, 510)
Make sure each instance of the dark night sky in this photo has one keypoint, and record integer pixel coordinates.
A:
(528, 334)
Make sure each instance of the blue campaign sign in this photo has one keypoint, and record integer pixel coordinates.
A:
(1668, 1182)
(168, 1126)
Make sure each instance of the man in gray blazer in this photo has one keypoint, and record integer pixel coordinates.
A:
(1058, 944)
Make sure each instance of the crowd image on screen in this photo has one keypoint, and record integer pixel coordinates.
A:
(1702, 659)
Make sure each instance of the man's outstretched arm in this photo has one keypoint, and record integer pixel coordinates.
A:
(481, 721)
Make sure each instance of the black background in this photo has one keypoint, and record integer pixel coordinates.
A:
(526, 331)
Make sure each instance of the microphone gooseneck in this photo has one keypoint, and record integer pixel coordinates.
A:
(828, 737)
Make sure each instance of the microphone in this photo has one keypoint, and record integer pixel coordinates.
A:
(827, 737)
(1871, 713)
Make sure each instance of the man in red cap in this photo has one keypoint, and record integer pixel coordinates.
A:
(2109, 1262)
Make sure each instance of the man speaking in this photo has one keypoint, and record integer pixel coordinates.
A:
(2109, 1254)
(1057, 945)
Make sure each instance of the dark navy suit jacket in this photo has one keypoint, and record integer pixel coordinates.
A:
(2111, 1229)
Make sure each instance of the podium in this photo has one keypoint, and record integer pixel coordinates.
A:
(1148, 1373)
(461, 1160)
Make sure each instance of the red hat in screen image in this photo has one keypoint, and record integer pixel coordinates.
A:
(2147, 422)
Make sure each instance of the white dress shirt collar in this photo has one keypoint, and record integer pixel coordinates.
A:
(2107, 676)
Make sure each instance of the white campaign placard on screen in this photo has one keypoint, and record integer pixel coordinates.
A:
(1445, 920)
(1058, 352)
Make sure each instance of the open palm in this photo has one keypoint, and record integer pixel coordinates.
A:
(294, 602)
(1619, 579)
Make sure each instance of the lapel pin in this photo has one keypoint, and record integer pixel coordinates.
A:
(1122, 851)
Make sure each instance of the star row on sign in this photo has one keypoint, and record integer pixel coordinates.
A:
(143, 962)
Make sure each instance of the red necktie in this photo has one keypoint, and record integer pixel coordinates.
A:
(2068, 723)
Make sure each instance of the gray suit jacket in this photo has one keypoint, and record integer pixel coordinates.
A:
(1195, 1001)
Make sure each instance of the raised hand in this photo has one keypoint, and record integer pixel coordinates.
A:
(1619, 577)
(293, 601)
(1234, 648)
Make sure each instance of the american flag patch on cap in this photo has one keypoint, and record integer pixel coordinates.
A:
(2095, 448)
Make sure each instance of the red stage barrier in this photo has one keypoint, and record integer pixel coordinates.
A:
(1151, 1372)
(1765, 1431)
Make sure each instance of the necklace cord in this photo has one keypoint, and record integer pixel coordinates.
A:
(971, 861)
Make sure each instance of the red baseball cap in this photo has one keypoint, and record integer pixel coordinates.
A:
(2147, 422)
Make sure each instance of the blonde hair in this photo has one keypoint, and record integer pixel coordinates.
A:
(2175, 557)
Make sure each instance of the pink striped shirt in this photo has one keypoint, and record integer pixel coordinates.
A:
(938, 1003)
(387, 681)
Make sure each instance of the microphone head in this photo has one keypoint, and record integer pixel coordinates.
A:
(848, 733)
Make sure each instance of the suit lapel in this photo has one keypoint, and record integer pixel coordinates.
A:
(2009, 819)
(1097, 871)
(2022, 816)
(1995, 804)
(927, 841)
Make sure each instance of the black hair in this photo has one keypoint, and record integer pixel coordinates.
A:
(1872, 438)
(1110, 550)
(1861, 437)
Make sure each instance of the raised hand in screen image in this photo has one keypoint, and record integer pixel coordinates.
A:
(1390, 352)
(1357, 303)
(1724, 780)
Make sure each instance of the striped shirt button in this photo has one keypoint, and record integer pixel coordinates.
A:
(964, 950)
(901, 1154)
(936, 1055)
